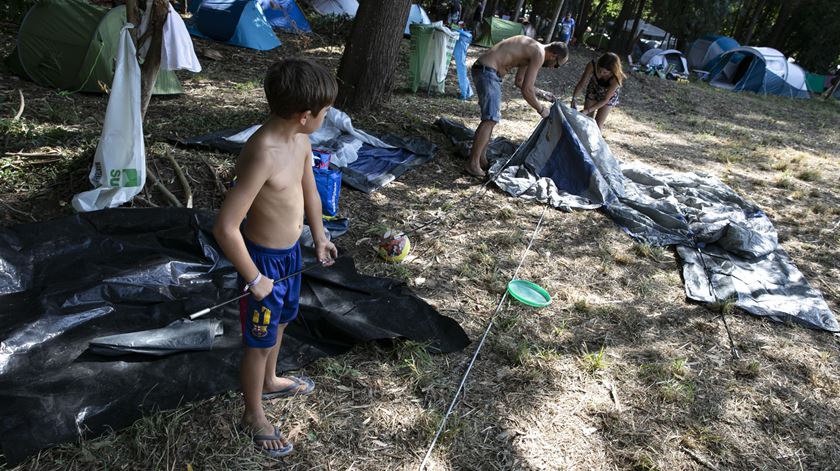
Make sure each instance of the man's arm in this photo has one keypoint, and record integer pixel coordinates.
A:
(520, 76)
(528, 90)
(252, 172)
(324, 249)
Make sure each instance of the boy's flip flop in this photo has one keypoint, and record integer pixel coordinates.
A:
(274, 453)
(301, 386)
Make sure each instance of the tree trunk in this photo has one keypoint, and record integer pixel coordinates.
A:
(628, 48)
(753, 21)
(617, 38)
(580, 26)
(159, 11)
(518, 10)
(555, 16)
(490, 8)
(366, 73)
(775, 38)
(589, 19)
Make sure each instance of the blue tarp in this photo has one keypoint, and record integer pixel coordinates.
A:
(236, 22)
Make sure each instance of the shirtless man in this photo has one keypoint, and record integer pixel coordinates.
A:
(527, 56)
(275, 187)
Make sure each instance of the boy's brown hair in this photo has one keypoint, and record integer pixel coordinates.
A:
(296, 85)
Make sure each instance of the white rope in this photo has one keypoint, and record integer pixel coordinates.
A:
(478, 349)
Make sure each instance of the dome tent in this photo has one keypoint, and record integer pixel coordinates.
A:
(705, 50)
(664, 58)
(236, 22)
(72, 45)
(758, 69)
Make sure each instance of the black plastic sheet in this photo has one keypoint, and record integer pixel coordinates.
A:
(68, 281)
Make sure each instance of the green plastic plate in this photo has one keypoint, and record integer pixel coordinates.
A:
(529, 293)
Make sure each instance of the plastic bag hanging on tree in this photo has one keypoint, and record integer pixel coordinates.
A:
(119, 165)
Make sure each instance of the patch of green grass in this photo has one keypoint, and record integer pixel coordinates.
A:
(506, 213)
(749, 369)
(530, 355)
(644, 463)
(655, 253)
(677, 392)
(783, 181)
(334, 369)
(724, 306)
(247, 86)
(505, 323)
(415, 359)
(582, 306)
(809, 175)
(593, 362)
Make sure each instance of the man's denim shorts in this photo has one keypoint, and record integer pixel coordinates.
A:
(488, 86)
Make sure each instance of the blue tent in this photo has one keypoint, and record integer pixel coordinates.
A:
(758, 69)
(703, 52)
(237, 22)
(286, 15)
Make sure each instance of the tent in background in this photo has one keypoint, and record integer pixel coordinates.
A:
(495, 29)
(236, 22)
(285, 15)
(663, 59)
(705, 50)
(86, 54)
(280, 14)
(417, 15)
(758, 69)
(335, 7)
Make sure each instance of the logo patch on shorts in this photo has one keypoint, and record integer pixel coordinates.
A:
(259, 324)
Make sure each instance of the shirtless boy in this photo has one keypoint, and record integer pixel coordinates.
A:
(274, 188)
(527, 56)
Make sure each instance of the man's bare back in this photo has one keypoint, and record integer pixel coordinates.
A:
(517, 51)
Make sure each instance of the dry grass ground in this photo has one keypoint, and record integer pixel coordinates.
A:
(620, 372)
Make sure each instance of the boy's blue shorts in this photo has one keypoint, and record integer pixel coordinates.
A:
(260, 319)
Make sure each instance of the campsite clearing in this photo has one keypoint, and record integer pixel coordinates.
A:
(618, 372)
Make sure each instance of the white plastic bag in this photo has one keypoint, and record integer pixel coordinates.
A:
(119, 165)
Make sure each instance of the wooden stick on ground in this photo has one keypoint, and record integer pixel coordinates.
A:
(160, 186)
(181, 177)
(22, 105)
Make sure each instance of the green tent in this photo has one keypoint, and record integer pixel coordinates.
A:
(815, 82)
(495, 29)
(72, 45)
(431, 51)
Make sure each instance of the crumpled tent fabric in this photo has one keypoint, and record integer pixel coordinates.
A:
(728, 245)
(98, 274)
(179, 336)
(367, 162)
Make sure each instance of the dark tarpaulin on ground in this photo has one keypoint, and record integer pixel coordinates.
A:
(68, 281)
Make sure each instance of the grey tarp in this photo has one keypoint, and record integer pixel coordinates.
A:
(728, 245)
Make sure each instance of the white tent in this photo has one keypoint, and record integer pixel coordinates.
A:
(417, 15)
(647, 30)
(335, 7)
(664, 58)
